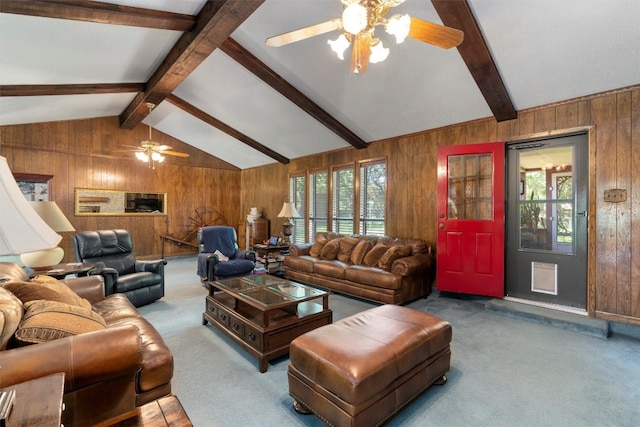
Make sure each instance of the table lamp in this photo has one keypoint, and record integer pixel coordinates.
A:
(288, 211)
(53, 216)
(21, 228)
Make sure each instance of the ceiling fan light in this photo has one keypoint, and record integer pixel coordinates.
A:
(339, 45)
(354, 18)
(157, 157)
(378, 52)
(399, 26)
(142, 156)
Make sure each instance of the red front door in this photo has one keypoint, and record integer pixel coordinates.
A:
(470, 252)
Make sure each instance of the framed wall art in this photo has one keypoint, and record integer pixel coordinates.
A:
(35, 187)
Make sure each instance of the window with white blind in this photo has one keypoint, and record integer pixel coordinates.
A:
(373, 180)
(318, 203)
(342, 200)
(346, 200)
(297, 197)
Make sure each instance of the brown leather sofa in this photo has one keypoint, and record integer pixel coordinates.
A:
(387, 270)
(107, 372)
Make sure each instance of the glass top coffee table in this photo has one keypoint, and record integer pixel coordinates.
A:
(264, 313)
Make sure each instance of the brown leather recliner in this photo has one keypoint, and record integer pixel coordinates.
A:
(107, 372)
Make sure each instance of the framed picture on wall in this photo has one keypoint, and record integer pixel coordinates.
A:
(35, 187)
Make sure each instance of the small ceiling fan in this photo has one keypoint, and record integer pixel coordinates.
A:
(152, 152)
(358, 22)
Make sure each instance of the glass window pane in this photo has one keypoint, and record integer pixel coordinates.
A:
(470, 187)
(372, 199)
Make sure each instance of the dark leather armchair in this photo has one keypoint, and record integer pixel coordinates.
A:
(224, 239)
(142, 281)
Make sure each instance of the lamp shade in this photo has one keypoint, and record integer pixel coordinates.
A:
(21, 228)
(53, 216)
(288, 211)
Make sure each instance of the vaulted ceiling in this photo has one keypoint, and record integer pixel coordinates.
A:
(219, 88)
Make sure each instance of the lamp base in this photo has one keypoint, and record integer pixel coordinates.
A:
(43, 260)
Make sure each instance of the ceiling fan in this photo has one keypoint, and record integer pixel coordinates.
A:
(152, 152)
(358, 22)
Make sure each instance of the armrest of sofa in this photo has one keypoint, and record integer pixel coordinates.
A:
(300, 249)
(86, 359)
(413, 264)
(88, 287)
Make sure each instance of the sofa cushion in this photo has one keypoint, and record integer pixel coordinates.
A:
(372, 277)
(10, 316)
(51, 320)
(359, 252)
(328, 268)
(46, 288)
(346, 247)
(115, 307)
(373, 256)
(331, 249)
(392, 254)
(303, 263)
(317, 246)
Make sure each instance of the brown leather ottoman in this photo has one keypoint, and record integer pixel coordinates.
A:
(361, 370)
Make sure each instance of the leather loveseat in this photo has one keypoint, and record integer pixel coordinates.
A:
(122, 363)
(386, 269)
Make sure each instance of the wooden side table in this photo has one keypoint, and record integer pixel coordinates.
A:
(38, 402)
(60, 271)
(166, 411)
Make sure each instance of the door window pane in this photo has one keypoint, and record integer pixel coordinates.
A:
(470, 184)
(547, 202)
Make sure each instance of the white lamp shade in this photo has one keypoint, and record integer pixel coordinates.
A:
(21, 228)
(288, 211)
(42, 259)
(52, 215)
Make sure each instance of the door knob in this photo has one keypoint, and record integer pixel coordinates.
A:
(441, 226)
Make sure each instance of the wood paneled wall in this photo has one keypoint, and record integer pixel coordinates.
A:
(614, 120)
(86, 154)
(83, 153)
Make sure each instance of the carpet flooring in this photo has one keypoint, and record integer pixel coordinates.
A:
(505, 371)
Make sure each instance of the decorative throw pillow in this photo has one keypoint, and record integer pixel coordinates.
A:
(372, 257)
(346, 247)
(47, 288)
(330, 250)
(392, 254)
(361, 249)
(317, 246)
(10, 316)
(52, 320)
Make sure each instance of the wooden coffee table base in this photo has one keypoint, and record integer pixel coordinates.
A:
(242, 323)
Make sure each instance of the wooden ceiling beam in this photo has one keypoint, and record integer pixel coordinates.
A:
(245, 58)
(216, 21)
(212, 121)
(105, 13)
(70, 89)
(475, 53)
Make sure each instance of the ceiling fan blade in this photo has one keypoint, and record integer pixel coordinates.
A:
(304, 33)
(162, 147)
(174, 153)
(360, 53)
(438, 35)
